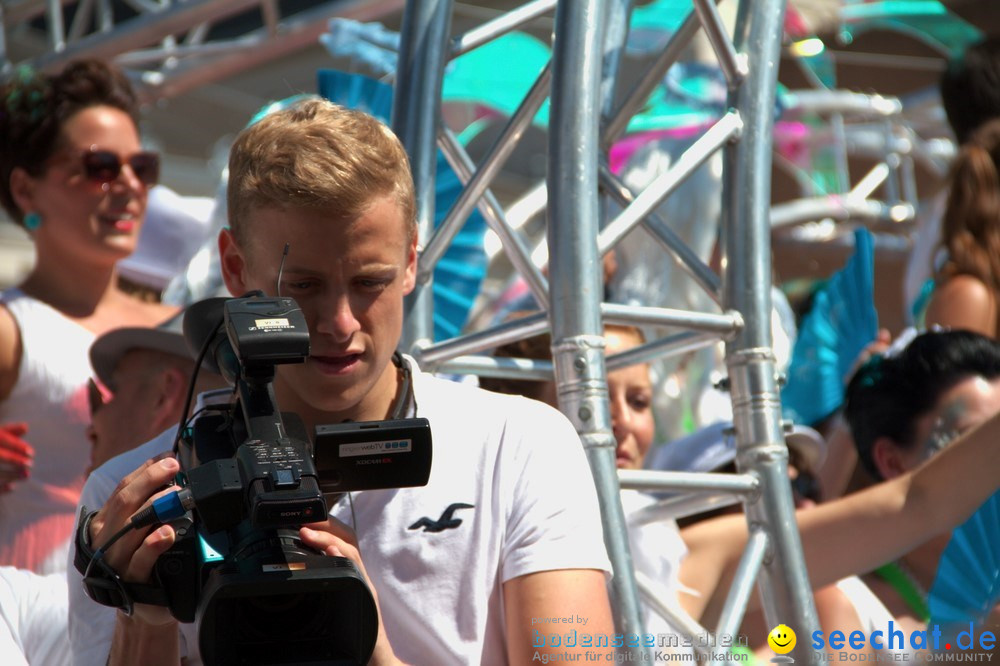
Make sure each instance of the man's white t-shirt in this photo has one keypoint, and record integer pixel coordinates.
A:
(510, 472)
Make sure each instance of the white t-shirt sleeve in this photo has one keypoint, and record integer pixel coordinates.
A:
(91, 625)
(554, 520)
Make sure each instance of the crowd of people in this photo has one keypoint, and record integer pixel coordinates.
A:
(519, 542)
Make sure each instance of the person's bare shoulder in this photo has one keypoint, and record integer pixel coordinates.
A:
(964, 302)
(10, 352)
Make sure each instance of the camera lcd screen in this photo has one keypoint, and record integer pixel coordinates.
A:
(368, 455)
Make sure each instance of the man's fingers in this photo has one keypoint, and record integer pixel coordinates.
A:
(140, 567)
(158, 465)
(329, 544)
(335, 527)
(138, 487)
(320, 540)
(130, 496)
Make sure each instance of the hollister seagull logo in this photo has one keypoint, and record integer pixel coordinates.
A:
(445, 522)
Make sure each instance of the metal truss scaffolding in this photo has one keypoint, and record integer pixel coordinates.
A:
(580, 81)
(171, 46)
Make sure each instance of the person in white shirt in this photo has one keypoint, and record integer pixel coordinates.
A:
(520, 543)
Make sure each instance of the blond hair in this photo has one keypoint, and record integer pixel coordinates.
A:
(317, 155)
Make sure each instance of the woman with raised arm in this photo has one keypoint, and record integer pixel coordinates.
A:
(922, 499)
(903, 407)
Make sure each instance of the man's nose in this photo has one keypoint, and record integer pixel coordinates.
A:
(337, 319)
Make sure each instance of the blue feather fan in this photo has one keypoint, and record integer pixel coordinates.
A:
(967, 585)
(840, 324)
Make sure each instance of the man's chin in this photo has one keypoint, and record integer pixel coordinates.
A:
(324, 398)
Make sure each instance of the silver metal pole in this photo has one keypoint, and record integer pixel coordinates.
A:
(105, 16)
(616, 27)
(501, 25)
(892, 160)
(761, 450)
(416, 108)
(143, 30)
(495, 336)
(667, 237)
(722, 324)
(733, 64)
(642, 479)
(724, 130)
(654, 594)
(641, 90)
(298, 32)
(24, 10)
(500, 366)
(840, 209)
(739, 594)
(54, 23)
(575, 276)
(672, 345)
(81, 20)
(840, 152)
(517, 252)
(4, 60)
(494, 160)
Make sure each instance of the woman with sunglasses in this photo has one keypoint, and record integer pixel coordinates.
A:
(74, 175)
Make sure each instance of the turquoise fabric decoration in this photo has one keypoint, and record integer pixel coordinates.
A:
(839, 326)
(967, 585)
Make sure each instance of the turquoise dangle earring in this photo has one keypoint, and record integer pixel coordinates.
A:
(32, 221)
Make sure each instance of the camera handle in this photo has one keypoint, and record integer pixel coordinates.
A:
(102, 583)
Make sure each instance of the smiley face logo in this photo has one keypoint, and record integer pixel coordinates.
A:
(781, 639)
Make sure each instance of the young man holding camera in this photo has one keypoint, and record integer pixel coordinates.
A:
(461, 568)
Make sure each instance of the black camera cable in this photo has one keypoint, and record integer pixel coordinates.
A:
(171, 506)
(106, 586)
(183, 423)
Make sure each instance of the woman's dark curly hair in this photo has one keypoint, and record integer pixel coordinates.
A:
(888, 395)
(34, 106)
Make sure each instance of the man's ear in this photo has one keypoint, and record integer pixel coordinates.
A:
(22, 189)
(888, 458)
(172, 385)
(233, 264)
(410, 277)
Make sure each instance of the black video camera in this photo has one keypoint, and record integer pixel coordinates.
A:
(238, 568)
